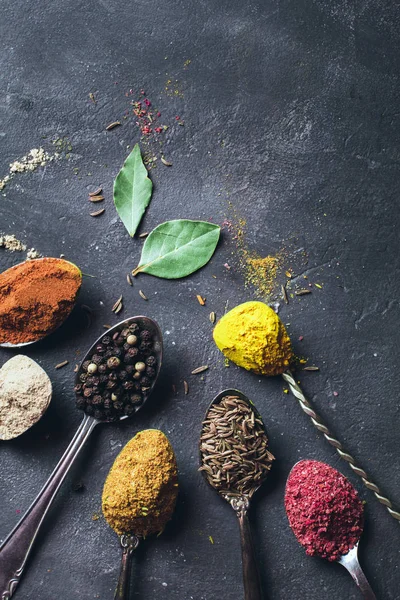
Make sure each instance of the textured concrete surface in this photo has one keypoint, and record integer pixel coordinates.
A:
(291, 112)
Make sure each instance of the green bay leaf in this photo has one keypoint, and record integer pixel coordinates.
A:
(132, 191)
(178, 248)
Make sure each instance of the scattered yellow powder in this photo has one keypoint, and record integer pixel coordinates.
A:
(252, 336)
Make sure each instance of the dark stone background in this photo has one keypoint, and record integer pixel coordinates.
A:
(291, 112)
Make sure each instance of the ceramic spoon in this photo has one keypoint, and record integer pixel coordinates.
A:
(240, 504)
(15, 549)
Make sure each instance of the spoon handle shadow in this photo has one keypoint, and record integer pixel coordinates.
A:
(17, 546)
(251, 579)
(350, 562)
(129, 544)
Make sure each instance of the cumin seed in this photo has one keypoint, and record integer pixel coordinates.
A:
(117, 303)
(61, 364)
(142, 295)
(113, 125)
(97, 213)
(199, 370)
(96, 192)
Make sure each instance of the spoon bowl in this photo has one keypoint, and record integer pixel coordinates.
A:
(43, 260)
(144, 323)
(349, 560)
(15, 549)
(236, 497)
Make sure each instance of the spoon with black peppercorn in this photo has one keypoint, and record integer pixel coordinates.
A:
(235, 460)
(114, 380)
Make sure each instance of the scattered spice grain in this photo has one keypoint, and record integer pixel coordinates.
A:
(62, 364)
(128, 279)
(96, 192)
(166, 162)
(113, 125)
(200, 370)
(117, 303)
(302, 292)
(212, 317)
(142, 295)
(97, 213)
(96, 198)
(186, 387)
(201, 300)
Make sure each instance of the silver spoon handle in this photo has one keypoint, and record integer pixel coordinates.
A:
(129, 544)
(251, 579)
(16, 547)
(350, 562)
(316, 420)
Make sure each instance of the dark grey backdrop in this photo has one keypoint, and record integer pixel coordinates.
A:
(291, 113)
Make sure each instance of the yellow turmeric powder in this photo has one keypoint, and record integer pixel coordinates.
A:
(140, 491)
(253, 336)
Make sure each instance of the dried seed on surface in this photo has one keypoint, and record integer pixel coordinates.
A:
(201, 300)
(96, 192)
(61, 364)
(128, 279)
(200, 370)
(302, 292)
(166, 162)
(186, 387)
(142, 295)
(117, 303)
(113, 125)
(96, 198)
(212, 317)
(97, 213)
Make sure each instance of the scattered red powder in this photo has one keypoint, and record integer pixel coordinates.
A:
(324, 510)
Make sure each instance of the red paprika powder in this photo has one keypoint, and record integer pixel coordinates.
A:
(324, 510)
(36, 297)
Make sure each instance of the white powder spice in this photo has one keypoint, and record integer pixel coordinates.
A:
(25, 394)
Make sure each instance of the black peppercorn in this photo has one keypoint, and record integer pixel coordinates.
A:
(78, 388)
(82, 377)
(129, 369)
(136, 398)
(80, 402)
(106, 340)
(111, 385)
(125, 332)
(113, 376)
(120, 340)
(150, 372)
(103, 379)
(145, 381)
(133, 327)
(126, 346)
(113, 362)
(107, 403)
(102, 369)
(97, 400)
(96, 359)
(100, 349)
(85, 365)
(128, 409)
(128, 385)
(123, 375)
(87, 392)
(118, 405)
(145, 335)
(151, 361)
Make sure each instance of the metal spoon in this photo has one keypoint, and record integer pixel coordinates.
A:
(15, 549)
(23, 344)
(350, 562)
(129, 543)
(240, 504)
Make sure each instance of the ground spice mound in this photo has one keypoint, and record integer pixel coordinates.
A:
(140, 491)
(252, 336)
(25, 393)
(324, 510)
(35, 298)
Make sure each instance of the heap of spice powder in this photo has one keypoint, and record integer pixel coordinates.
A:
(324, 510)
(119, 374)
(140, 491)
(252, 336)
(234, 448)
(36, 297)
